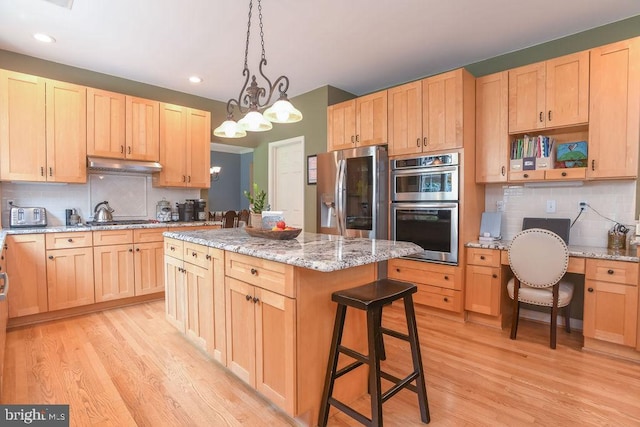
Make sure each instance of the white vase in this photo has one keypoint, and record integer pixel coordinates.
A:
(255, 220)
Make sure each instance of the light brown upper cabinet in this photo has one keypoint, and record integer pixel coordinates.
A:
(184, 147)
(614, 121)
(122, 127)
(549, 94)
(43, 129)
(429, 115)
(492, 127)
(358, 122)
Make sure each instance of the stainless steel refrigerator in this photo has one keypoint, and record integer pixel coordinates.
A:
(352, 192)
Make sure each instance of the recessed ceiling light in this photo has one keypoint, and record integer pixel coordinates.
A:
(195, 79)
(44, 38)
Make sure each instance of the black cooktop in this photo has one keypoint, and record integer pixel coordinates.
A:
(121, 222)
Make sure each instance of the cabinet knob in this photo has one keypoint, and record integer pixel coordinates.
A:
(256, 300)
(445, 299)
(248, 297)
(526, 175)
(398, 270)
(254, 271)
(482, 257)
(541, 116)
(50, 256)
(495, 276)
(590, 289)
(446, 277)
(610, 271)
(563, 174)
(137, 249)
(70, 240)
(130, 249)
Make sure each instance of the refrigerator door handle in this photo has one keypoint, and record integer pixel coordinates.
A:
(340, 190)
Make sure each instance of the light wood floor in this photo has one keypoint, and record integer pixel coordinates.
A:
(128, 366)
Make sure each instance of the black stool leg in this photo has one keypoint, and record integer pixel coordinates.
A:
(375, 388)
(338, 327)
(381, 351)
(417, 359)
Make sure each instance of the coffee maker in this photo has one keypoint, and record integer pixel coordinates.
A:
(199, 209)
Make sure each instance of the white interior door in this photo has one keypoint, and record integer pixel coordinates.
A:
(286, 179)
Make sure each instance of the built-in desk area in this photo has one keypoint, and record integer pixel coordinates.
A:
(610, 311)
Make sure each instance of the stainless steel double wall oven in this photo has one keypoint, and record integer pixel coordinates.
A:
(425, 205)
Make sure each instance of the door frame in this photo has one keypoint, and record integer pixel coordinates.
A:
(272, 168)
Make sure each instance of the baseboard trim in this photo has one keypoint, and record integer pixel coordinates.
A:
(543, 317)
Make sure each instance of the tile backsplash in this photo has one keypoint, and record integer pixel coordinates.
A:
(132, 196)
(609, 202)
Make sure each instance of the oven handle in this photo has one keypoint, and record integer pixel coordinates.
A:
(424, 171)
(423, 205)
(4, 290)
(340, 190)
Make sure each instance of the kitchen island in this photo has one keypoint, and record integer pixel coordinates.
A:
(263, 307)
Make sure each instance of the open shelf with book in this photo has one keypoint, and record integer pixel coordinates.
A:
(533, 156)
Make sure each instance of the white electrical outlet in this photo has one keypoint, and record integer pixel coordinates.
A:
(551, 206)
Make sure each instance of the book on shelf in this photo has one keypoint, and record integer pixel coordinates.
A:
(532, 152)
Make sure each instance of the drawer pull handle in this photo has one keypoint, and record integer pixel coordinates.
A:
(590, 289)
(70, 240)
(541, 116)
(482, 257)
(564, 174)
(424, 141)
(254, 271)
(549, 115)
(526, 175)
(495, 276)
(50, 256)
(256, 300)
(172, 248)
(208, 257)
(503, 170)
(193, 254)
(248, 297)
(446, 299)
(610, 271)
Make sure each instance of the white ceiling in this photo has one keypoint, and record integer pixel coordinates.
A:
(356, 45)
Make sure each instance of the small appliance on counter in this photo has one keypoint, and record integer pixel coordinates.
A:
(103, 212)
(28, 217)
(163, 210)
(200, 210)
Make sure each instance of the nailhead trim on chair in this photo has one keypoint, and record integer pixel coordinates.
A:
(550, 234)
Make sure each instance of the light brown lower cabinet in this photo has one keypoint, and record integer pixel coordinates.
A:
(194, 295)
(261, 341)
(26, 265)
(69, 270)
(611, 301)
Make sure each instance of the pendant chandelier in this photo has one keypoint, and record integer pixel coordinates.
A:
(256, 98)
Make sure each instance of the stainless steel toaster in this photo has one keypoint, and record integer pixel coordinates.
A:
(28, 217)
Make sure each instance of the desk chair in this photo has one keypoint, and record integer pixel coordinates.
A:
(539, 259)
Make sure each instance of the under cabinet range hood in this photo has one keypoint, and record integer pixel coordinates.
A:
(122, 165)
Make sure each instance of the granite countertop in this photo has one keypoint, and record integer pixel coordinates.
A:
(628, 255)
(76, 228)
(320, 252)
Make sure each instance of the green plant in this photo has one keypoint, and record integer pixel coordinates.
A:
(257, 201)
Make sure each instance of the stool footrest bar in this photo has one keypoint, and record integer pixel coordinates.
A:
(354, 354)
(352, 413)
(395, 334)
(399, 384)
(347, 369)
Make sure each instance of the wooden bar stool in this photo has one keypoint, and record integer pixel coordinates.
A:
(371, 298)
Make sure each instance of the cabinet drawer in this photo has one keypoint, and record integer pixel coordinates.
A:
(173, 247)
(612, 271)
(486, 257)
(273, 276)
(567, 173)
(446, 276)
(196, 254)
(146, 235)
(534, 175)
(112, 237)
(68, 240)
(434, 296)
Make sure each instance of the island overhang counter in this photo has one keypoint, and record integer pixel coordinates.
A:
(263, 307)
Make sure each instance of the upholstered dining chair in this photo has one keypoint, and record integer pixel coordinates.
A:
(539, 259)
